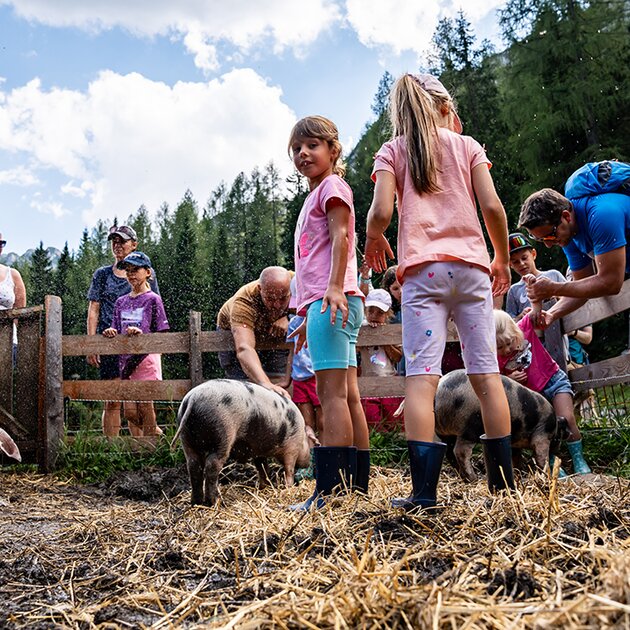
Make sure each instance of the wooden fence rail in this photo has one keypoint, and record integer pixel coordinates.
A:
(37, 420)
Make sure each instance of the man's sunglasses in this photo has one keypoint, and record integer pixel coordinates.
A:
(3, 243)
(549, 237)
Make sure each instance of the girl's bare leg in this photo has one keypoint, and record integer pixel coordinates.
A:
(132, 415)
(495, 411)
(332, 391)
(360, 431)
(419, 415)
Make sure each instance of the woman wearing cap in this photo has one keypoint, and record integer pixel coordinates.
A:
(108, 284)
(12, 290)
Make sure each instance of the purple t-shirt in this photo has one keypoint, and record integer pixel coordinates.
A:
(145, 311)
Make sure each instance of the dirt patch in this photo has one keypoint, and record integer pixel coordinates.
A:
(132, 552)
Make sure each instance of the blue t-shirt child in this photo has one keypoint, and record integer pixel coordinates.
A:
(302, 367)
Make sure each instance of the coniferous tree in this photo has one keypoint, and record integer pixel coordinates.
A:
(40, 276)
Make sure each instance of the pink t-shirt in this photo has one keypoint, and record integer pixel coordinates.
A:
(443, 225)
(313, 247)
(542, 366)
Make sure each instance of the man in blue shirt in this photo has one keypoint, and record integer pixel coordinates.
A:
(593, 230)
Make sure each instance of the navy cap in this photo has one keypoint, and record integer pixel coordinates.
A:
(135, 259)
(517, 241)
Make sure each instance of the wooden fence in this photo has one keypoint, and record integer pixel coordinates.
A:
(32, 395)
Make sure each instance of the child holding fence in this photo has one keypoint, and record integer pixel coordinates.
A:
(139, 311)
(329, 297)
(444, 268)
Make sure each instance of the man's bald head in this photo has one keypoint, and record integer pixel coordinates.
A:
(275, 289)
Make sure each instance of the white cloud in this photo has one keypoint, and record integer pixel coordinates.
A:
(129, 140)
(18, 176)
(50, 207)
(202, 24)
(401, 25)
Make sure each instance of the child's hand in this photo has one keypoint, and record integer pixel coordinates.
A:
(110, 332)
(376, 324)
(500, 273)
(299, 334)
(134, 330)
(377, 250)
(542, 319)
(520, 376)
(336, 299)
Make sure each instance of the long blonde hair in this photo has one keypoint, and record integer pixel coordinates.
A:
(323, 129)
(506, 328)
(414, 114)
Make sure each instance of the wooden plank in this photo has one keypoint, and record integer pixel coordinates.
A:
(52, 424)
(6, 367)
(27, 376)
(554, 343)
(381, 386)
(161, 343)
(607, 372)
(126, 390)
(195, 362)
(597, 309)
(32, 312)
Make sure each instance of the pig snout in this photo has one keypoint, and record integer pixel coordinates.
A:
(225, 417)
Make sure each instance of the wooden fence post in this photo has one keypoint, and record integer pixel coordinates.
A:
(51, 420)
(196, 366)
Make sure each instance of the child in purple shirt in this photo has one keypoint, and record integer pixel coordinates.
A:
(140, 311)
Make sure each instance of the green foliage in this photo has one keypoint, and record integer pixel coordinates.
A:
(388, 448)
(40, 277)
(89, 457)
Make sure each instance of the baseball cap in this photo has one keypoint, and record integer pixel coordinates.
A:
(517, 241)
(379, 298)
(124, 231)
(135, 259)
(429, 83)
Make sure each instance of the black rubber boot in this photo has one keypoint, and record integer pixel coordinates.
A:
(335, 471)
(362, 478)
(425, 461)
(497, 453)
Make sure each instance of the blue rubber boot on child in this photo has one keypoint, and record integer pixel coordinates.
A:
(425, 461)
(335, 471)
(580, 467)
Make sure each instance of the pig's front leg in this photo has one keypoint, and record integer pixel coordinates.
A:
(540, 446)
(463, 454)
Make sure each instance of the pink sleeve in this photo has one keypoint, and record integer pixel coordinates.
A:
(335, 188)
(384, 160)
(477, 154)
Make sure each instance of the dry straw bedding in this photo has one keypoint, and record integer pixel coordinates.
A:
(551, 555)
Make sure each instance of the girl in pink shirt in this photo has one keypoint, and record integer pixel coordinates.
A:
(329, 297)
(444, 268)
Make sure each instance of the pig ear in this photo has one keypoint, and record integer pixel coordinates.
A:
(312, 438)
(8, 446)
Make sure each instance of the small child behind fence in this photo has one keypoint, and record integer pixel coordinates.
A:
(139, 311)
(379, 360)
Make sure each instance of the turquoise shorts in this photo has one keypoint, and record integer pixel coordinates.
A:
(333, 347)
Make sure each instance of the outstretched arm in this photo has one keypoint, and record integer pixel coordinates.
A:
(377, 248)
(496, 223)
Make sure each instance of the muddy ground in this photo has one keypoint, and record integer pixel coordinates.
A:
(131, 553)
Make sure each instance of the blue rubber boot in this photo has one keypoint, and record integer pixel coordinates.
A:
(580, 467)
(425, 461)
(497, 453)
(335, 471)
(362, 478)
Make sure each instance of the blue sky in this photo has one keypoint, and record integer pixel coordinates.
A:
(109, 104)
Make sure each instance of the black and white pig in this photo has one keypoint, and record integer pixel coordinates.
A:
(458, 414)
(222, 418)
